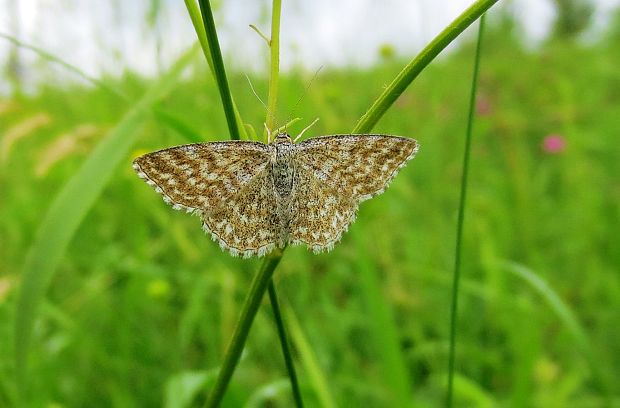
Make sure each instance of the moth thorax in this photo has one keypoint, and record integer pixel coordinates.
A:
(282, 170)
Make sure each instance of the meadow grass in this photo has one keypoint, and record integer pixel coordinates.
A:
(143, 304)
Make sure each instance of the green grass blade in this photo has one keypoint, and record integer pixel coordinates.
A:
(57, 60)
(160, 114)
(248, 312)
(182, 388)
(70, 207)
(218, 69)
(177, 125)
(415, 67)
(195, 16)
(274, 67)
(566, 316)
(461, 217)
(385, 334)
(317, 378)
(553, 300)
(266, 394)
(284, 345)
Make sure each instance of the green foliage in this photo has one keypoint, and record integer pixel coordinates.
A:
(144, 304)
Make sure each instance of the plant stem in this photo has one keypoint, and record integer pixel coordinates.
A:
(250, 308)
(461, 216)
(195, 16)
(274, 72)
(411, 70)
(376, 111)
(259, 285)
(218, 67)
(284, 343)
(67, 211)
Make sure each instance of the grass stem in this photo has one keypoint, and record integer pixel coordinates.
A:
(218, 67)
(376, 111)
(461, 217)
(250, 308)
(274, 72)
(284, 343)
(415, 67)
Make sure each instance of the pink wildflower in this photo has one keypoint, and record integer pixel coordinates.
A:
(554, 144)
(483, 106)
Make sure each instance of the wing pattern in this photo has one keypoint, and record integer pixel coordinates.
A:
(319, 215)
(336, 173)
(358, 166)
(231, 185)
(200, 177)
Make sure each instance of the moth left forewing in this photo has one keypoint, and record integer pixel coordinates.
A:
(247, 225)
(359, 165)
(200, 177)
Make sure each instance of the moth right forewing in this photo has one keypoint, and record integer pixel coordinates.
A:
(319, 214)
(359, 166)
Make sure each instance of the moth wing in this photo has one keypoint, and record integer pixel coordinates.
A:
(248, 224)
(201, 177)
(357, 166)
(319, 215)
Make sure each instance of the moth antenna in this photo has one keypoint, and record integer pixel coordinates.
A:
(254, 92)
(306, 128)
(301, 98)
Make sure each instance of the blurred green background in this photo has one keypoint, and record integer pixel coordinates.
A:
(143, 304)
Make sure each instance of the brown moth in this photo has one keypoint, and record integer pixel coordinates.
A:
(253, 197)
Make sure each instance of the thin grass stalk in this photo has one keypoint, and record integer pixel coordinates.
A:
(461, 216)
(415, 67)
(570, 321)
(68, 66)
(248, 312)
(376, 111)
(317, 379)
(68, 209)
(196, 18)
(218, 68)
(285, 345)
(161, 115)
(234, 352)
(274, 72)
(272, 98)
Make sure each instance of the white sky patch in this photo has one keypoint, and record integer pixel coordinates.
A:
(108, 37)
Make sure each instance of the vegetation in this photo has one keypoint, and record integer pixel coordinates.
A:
(143, 303)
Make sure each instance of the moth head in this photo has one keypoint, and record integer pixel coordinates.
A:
(283, 138)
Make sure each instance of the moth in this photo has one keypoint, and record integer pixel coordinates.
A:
(253, 197)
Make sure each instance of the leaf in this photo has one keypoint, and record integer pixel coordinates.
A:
(182, 388)
(316, 377)
(266, 394)
(567, 317)
(384, 331)
(71, 205)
